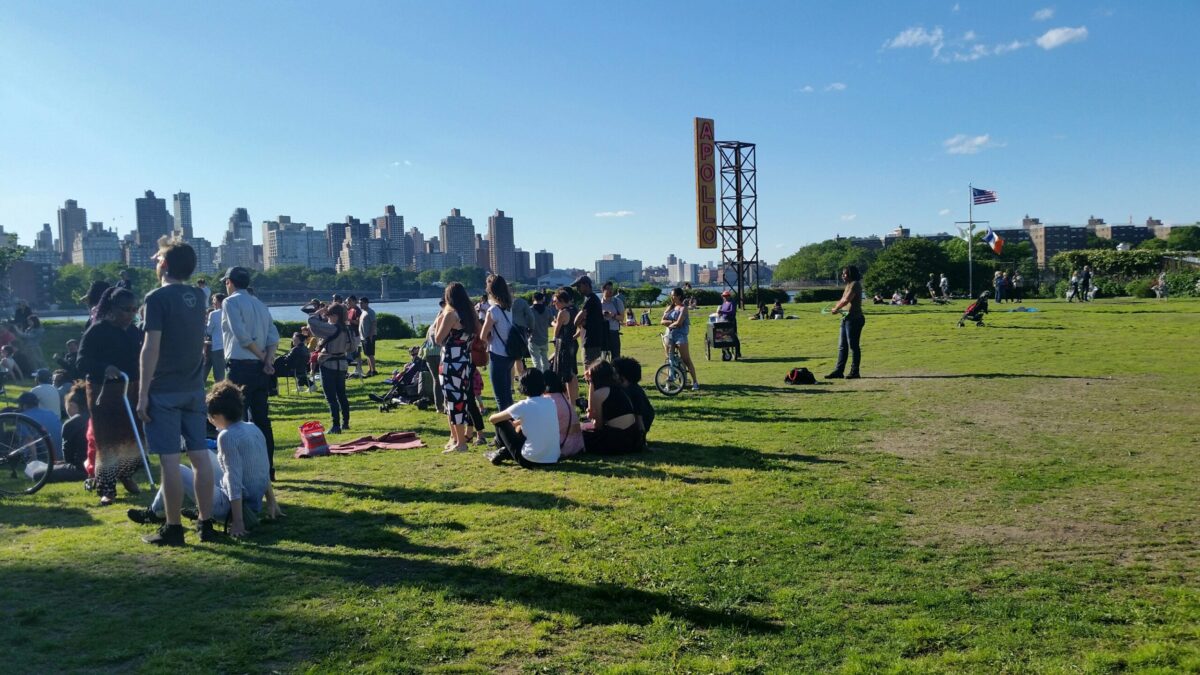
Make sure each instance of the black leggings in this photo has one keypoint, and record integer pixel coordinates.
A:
(333, 382)
(473, 411)
(612, 441)
(511, 441)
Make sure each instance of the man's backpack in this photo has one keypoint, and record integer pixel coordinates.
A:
(800, 376)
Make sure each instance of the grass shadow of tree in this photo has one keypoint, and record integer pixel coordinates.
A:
(513, 498)
(13, 514)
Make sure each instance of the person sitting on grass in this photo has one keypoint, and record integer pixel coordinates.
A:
(242, 472)
(629, 377)
(29, 406)
(70, 361)
(528, 430)
(777, 310)
(62, 384)
(74, 437)
(570, 434)
(615, 429)
(48, 396)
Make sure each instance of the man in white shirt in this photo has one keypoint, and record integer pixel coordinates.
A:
(48, 397)
(528, 430)
(249, 337)
(216, 340)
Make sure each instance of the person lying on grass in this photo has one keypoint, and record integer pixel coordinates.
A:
(242, 477)
(528, 430)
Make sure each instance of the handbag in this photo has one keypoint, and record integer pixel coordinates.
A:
(479, 352)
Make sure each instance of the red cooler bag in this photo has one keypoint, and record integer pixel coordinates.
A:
(312, 439)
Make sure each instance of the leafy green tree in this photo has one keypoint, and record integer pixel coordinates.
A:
(428, 277)
(1154, 244)
(823, 261)
(905, 264)
(1184, 238)
(1100, 242)
(470, 276)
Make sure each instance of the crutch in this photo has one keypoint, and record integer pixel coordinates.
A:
(133, 423)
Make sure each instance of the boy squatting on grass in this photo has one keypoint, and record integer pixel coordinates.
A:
(242, 472)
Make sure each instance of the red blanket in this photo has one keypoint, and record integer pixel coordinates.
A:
(393, 440)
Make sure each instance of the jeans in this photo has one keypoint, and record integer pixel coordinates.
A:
(256, 388)
(215, 363)
(540, 355)
(848, 340)
(220, 501)
(501, 369)
(333, 383)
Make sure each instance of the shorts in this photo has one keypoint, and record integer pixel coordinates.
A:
(368, 346)
(175, 415)
(677, 338)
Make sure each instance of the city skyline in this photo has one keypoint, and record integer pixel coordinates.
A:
(864, 121)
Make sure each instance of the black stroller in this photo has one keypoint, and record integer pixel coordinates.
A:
(975, 310)
(411, 386)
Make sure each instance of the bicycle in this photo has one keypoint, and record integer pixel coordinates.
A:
(672, 376)
(26, 455)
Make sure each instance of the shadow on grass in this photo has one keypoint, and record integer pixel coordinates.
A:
(773, 390)
(1027, 327)
(14, 514)
(981, 376)
(515, 498)
(596, 604)
(685, 455)
(774, 359)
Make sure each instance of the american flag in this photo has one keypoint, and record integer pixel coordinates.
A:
(982, 196)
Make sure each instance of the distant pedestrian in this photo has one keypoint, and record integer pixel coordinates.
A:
(539, 349)
(214, 343)
(591, 320)
(368, 331)
(496, 327)
(727, 312)
(944, 283)
(564, 362)
(353, 320)
(522, 316)
(1073, 287)
(1160, 287)
(998, 286)
(852, 325)
(329, 325)
(1018, 287)
(612, 306)
(1085, 284)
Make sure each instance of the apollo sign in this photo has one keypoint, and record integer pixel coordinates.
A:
(706, 184)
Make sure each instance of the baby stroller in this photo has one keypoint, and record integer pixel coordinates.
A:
(975, 311)
(411, 386)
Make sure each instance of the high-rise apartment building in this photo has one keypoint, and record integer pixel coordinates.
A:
(390, 229)
(237, 246)
(521, 271)
(543, 263)
(360, 250)
(1049, 240)
(72, 221)
(483, 249)
(500, 241)
(153, 221)
(290, 243)
(416, 247)
(96, 246)
(457, 237)
(183, 214)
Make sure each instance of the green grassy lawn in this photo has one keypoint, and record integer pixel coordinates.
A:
(1015, 498)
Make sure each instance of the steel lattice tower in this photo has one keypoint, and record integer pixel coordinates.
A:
(739, 218)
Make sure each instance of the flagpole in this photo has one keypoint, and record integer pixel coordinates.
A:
(970, 241)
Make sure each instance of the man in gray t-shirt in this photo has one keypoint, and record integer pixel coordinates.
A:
(614, 312)
(522, 316)
(171, 391)
(539, 332)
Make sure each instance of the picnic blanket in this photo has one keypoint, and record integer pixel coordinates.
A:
(393, 440)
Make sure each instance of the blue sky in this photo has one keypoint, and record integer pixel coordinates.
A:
(866, 115)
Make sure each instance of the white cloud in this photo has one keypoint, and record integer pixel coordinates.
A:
(954, 8)
(978, 51)
(807, 89)
(974, 54)
(614, 214)
(944, 212)
(395, 163)
(969, 36)
(847, 217)
(917, 36)
(1057, 37)
(962, 144)
(407, 163)
(1010, 47)
(1044, 14)
(836, 86)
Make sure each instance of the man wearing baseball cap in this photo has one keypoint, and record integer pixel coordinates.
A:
(250, 338)
(591, 319)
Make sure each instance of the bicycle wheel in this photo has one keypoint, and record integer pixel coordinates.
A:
(26, 458)
(669, 379)
(707, 349)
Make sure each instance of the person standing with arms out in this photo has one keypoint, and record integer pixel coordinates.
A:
(215, 341)
(539, 329)
(496, 326)
(852, 325)
(171, 392)
(728, 312)
(250, 339)
(613, 308)
(678, 326)
(591, 321)
(457, 326)
(368, 330)
(329, 324)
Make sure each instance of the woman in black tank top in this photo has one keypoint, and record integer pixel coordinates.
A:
(616, 429)
(852, 325)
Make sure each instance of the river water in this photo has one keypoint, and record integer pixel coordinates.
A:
(417, 312)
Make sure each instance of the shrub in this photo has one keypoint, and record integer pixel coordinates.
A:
(819, 295)
(1183, 284)
(704, 297)
(1107, 287)
(905, 264)
(286, 328)
(392, 327)
(1141, 288)
(769, 295)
